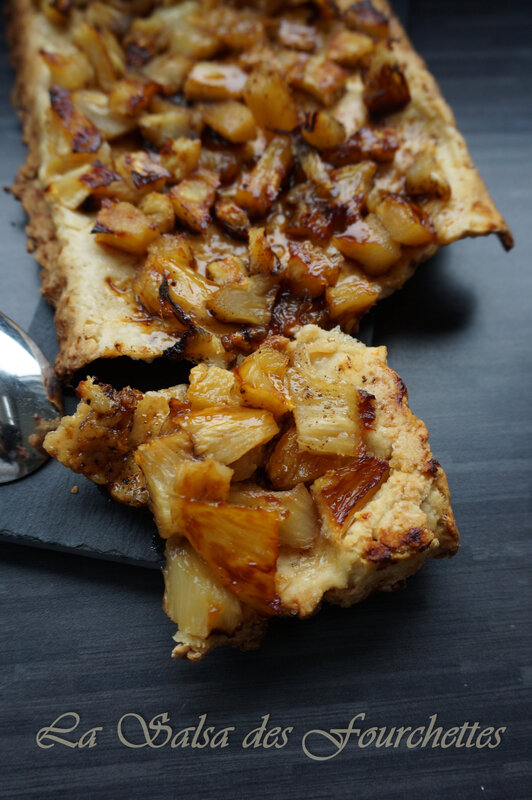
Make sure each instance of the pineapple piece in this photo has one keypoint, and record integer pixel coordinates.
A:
(226, 270)
(363, 16)
(193, 198)
(71, 71)
(350, 297)
(159, 210)
(366, 143)
(339, 494)
(351, 187)
(385, 85)
(102, 181)
(245, 466)
(249, 301)
(209, 81)
(68, 190)
(56, 11)
(309, 270)
(312, 217)
(349, 47)
(369, 243)
(194, 597)
(232, 218)
(170, 474)
(262, 259)
(322, 130)
(212, 386)
(94, 104)
(289, 466)
(74, 138)
(131, 96)
(425, 177)
(231, 119)
(123, 226)
(240, 545)
(325, 413)
(268, 96)
(323, 79)
(169, 71)
(296, 35)
(102, 15)
(193, 41)
(298, 518)
(223, 162)
(406, 222)
(259, 188)
(142, 173)
(262, 380)
(180, 156)
(225, 434)
(92, 42)
(168, 284)
(241, 33)
(173, 123)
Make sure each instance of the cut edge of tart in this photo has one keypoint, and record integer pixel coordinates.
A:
(305, 162)
(299, 476)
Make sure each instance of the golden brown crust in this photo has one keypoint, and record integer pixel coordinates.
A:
(112, 325)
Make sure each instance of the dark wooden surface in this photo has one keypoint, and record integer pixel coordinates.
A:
(89, 637)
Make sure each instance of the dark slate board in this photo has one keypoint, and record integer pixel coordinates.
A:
(90, 637)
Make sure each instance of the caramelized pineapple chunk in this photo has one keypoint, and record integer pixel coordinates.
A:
(228, 269)
(406, 222)
(339, 494)
(351, 297)
(142, 172)
(268, 96)
(57, 11)
(231, 119)
(296, 35)
(123, 226)
(262, 259)
(262, 380)
(232, 218)
(289, 466)
(351, 187)
(349, 47)
(240, 545)
(322, 78)
(160, 127)
(225, 434)
(193, 199)
(209, 81)
(193, 41)
(245, 466)
(68, 190)
(385, 85)
(194, 597)
(71, 71)
(258, 189)
(212, 386)
(159, 210)
(298, 526)
(94, 104)
(363, 16)
(169, 71)
(325, 412)
(368, 242)
(180, 156)
(322, 130)
(425, 177)
(366, 143)
(170, 472)
(309, 269)
(96, 48)
(81, 134)
(131, 96)
(249, 301)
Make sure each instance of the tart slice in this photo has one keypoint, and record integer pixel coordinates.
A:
(205, 174)
(300, 475)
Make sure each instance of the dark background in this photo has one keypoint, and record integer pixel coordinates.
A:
(87, 636)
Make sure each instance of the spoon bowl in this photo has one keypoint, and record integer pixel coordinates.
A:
(29, 393)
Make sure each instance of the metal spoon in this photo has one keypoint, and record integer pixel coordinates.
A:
(29, 392)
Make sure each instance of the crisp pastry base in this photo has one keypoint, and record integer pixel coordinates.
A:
(395, 531)
(94, 321)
